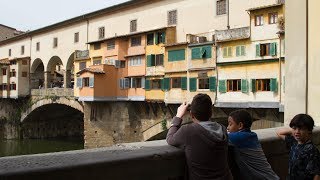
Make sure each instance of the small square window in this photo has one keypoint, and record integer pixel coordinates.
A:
(221, 7)
(273, 18)
(55, 42)
(111, 45)
(22, 50)
(97, 46)
(234, 85)
(203, 83)
(82, 65)
(176, 82)
(150, 39)
(259, 20)
(133, 25)
(136, 41)
(9, 52)
(76, 37)
(172, 17)
(101, 32)
(38, 46)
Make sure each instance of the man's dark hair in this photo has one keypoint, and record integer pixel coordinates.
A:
(302, 121)
(242, 116)
(201, 107)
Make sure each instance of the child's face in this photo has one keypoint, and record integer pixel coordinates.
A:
(302, 135)
(233, 126)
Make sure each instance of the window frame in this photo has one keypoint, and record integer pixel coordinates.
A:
(133, 25)
(221, 7)
(86, 82)
(263, 85)
(273, 18)
(205, 84)
(81, 64)
(152, 84)
(158, 60)
(176, 82)
(38, 46)
(234, 85)
(96, 46)
(22, 50)
(55, 42)
(101, 32)
(149, 43)
(76, 37)
(135, 61)
(135, 41)
(259, 20)
(172, 17)
(111, 44)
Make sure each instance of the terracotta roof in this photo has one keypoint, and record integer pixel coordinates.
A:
(19, 59)
(264, 7)
(92, 70)
(5, 61)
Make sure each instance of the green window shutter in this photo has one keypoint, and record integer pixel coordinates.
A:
(244, 86)
(258, 50)
(243, 50)
(212, 83)
(195, 53)
(163, 37)
(208, 52)
(156, 38)
(176, 55)
(238, 51)
(162, 58)
(184, 83)
(225, 52)
(153, 59)
(273, 49)
(147, 85)
(229, 51)
(149, 61)
(193, 84)
(222, 86)
(253, 85)
(162, 84)
(166, 84)
(273, 85)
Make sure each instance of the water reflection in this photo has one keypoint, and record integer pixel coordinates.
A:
(35, 146)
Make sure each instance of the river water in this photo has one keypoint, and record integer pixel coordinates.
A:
(35, 146)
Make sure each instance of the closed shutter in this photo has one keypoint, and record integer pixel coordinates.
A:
(195, 53)
(153, 59)
(166, 84)
(212, 83)
(143, 82)
(229, 51)
(253, 85)
(184, 83)
(273, 49)
(222, 86)
(244, 86)
(225, 52)
(243, 50)
(147, 85)
(162, 84)
(79, 82)
(273, 85)
(91, 82)
(238, 51)
(176, 55)
(149, 60)
(156, 38)
(193, 84)
(161, 59)
(258, 50)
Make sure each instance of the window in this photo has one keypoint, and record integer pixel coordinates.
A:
(136, 83)
(101, 32)
(24, 62)
(4, 87)
(234, 85)
(55, 42)
(150, 39)
(221, 7)
(263, 84)
(259, 20)
(9, 52)
(227, 52)
(124, 83)
(82, 65)
(38, 46)
(4, 71)
(273, 18)
(160, 37)
(176, 55)
(97, 46)
(22, 50)
(203, 52)
(24, 74)
(159, 60)
(203, 83)
(135, 61)
(176, 82)
(13, 87)
(122, 64)
(96, 62)
(136, 41)
(76, 37)
(85, 82)
(240, 50)
(155, 84)
(133, 25)
(13, 62)
(172, 17)
(13, 73)
(267, 49)
(111, 45)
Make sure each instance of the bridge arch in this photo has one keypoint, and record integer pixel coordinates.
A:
(60, 100)
(37, 74)
(156, 131)
(54, 72)
(69, 72)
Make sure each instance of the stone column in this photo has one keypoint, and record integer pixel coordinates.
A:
(47, 79)
(66, 79)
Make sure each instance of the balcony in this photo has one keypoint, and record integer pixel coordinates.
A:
(200, 38)
(232, 34)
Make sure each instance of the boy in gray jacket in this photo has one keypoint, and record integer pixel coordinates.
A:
(205, 143)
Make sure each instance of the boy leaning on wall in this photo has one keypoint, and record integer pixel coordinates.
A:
(304, 157)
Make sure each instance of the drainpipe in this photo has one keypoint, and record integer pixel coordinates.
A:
(280, 70)
(228, 19)
(307, 55)
(87, 34)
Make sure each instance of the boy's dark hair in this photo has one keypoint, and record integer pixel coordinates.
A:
(242, 116)
(201, 107)
(302, 120)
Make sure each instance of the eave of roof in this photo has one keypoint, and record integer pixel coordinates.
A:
(264, 7)
(91, 70)
(176, 44)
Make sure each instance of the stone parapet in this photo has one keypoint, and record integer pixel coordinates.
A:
(145, 160)
(61, 92)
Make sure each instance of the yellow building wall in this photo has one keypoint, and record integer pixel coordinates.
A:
(175, 95)
(202, 63)
(175, 66)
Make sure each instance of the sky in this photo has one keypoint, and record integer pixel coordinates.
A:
(30, 15)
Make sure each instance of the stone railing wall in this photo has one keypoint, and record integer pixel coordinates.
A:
(61, 92)
(135, 161)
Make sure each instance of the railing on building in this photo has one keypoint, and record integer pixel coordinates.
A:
(232, 34)
(60, 92)
(281, 1)
(200, 38)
